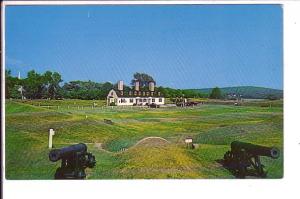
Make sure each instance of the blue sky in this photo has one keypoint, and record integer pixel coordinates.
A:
(181, 46)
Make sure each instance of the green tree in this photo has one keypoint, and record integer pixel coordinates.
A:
(12, 84)
(47, 76)
(86, 90)
(215, 93)
(34, 85)
(53, 81)
(143, 78)
(37, 86)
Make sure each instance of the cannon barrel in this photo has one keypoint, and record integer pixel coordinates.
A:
(256, 150)
(57, 154)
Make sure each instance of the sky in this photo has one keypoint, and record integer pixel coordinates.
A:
(181, 46)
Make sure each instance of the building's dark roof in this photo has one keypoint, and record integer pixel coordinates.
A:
(133, 93)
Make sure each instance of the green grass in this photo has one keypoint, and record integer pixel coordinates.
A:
(213, 127)
(13, 107)
(166, 161)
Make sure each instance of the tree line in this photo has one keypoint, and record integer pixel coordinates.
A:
(34, 86)
(49, 85)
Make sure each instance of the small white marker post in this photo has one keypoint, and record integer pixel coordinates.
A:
(51, 134)
(189, 142)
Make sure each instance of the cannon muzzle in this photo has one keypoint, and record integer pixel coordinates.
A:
(57, 154)
(255, 150)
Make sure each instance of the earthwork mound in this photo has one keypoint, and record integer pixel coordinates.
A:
(151, 142)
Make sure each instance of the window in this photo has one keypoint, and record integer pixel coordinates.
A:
(153, 100)
(160, 100)
(123, 100)
(131, 100)
(141, 100)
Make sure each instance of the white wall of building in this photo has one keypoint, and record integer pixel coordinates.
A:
(125, 101)
(130, 101)
(111, 97)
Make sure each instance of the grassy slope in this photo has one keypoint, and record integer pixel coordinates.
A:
(15, 107)
(64, 103)
(212, 126)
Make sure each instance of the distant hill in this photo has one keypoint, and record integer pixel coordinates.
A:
(250, 92)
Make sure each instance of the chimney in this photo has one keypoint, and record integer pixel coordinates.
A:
(151, 86)
(120, 85)
(136, 85)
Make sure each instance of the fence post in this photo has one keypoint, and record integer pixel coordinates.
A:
(51, 134)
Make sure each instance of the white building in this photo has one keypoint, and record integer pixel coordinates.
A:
(135, 96)
(21, 89)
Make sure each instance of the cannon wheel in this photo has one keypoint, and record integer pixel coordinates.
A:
(228, 157)
(241, 172)
(242, 164)
(58, 174)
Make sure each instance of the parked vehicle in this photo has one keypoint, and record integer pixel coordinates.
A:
(191, 104)
(153, 105)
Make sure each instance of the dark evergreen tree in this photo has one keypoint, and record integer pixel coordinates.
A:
(215, 93)
(143, 78)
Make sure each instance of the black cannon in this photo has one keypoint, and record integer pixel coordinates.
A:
(244, 156)
(74, 160)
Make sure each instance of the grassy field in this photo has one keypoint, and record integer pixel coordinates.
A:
(213, 127)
